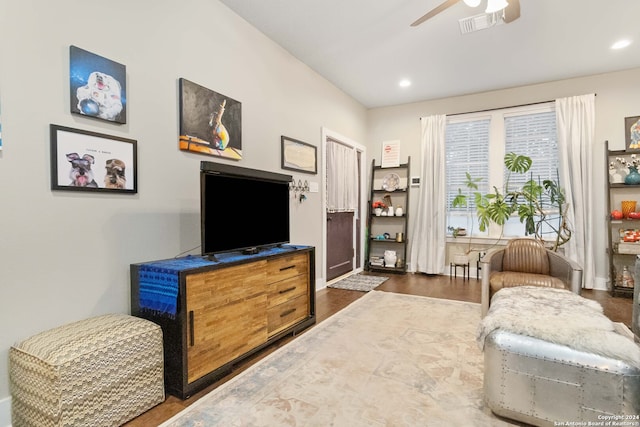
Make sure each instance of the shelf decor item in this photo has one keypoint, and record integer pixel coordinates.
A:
(634, 177)
(628, 206)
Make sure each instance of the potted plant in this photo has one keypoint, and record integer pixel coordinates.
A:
(540, 205)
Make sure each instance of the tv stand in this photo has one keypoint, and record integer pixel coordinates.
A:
(225, 310)
(250, 251)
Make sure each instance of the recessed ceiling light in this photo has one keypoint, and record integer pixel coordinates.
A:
(405, 83)
(620, 44)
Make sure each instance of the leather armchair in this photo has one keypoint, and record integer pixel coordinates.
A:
(526, 262)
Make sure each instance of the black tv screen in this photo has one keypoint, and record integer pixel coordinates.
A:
(242, 209)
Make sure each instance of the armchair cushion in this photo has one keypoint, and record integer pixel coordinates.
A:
(526, 261)
(509, 279)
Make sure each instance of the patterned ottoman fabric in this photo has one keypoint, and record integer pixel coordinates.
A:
(102, 371)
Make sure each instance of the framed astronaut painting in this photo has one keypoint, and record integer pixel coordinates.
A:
(97, 86)
(88, 161)
(210, 123)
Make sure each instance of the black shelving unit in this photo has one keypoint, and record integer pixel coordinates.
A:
(394, 225)
(620, 254)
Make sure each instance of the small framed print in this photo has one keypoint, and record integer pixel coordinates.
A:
(298, 156)
(632, 133)
(88, 161)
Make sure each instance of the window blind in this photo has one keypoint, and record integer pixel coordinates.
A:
(467, 150)
(533, 135)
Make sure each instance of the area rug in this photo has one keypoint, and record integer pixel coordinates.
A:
(385, 360)
(359, 282)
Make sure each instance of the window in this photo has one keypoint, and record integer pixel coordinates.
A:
(467, 150)
(477, 142)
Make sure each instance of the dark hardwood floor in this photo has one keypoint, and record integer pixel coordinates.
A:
(330, 301)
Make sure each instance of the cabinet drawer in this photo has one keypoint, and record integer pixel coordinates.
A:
(284, 290)
(286, 314)
(287, 266)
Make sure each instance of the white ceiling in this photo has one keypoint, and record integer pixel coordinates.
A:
(365, 47)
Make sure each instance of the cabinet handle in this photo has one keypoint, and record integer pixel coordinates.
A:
(191, 332)
(284, 291)
(288, 312)
(289, 267)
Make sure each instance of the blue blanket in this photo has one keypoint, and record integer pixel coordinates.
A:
(159, 283)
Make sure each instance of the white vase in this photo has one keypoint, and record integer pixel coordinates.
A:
(377, 211)
(390, 258)
(399, 212)
(390, 211)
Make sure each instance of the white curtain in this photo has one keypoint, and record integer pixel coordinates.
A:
(428, 240)
(576, 129)
(342, 178)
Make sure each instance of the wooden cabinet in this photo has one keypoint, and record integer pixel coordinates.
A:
(227, 310)
(388, 230)
(621, 250)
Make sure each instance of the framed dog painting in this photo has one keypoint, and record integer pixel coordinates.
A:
(210, 123)
(97, 86)
(89, 161)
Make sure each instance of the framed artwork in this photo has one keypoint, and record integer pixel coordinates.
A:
(298, 156)
(88, 161)
(210, 123)
(97, 86)
(632, 132)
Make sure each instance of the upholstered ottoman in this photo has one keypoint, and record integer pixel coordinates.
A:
(102, 371)
(552, 358)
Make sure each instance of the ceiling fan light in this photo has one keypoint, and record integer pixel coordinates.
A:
(496, 5)
(472, 3)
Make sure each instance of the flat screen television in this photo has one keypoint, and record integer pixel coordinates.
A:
(242, 209)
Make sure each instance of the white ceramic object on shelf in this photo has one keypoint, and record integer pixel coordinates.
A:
(390, 258)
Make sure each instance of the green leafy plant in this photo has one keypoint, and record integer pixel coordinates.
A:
(540, 205)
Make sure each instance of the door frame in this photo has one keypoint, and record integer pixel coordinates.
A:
(329, 134)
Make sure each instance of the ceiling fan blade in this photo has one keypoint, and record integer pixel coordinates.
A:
(512, 12)
(447, 4)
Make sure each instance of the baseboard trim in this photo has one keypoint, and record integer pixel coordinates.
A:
(5, 412)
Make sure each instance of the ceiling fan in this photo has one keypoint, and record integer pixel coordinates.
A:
(511, 9)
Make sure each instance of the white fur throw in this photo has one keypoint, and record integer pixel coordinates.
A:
(558, 316)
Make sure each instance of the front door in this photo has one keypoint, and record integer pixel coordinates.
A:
(339, 244)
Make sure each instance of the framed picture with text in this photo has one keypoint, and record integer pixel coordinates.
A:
(298, 156)
(88, 161)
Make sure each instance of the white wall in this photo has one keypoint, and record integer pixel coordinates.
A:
(65, 256)
(617, 98)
